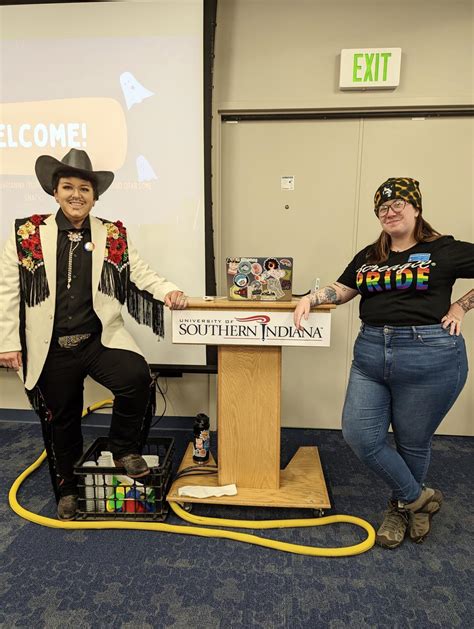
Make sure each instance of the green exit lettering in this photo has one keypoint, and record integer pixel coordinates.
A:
(369, 66)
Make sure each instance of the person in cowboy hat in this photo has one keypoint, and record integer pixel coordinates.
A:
(68, 275)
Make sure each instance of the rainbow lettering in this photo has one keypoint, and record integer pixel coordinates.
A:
(372, 279)
(404, 282)
(422, 278)
(377, 279)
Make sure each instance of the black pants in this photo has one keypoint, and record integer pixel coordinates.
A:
(61, 384)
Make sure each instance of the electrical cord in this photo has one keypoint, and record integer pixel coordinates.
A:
(346, 551)
(157, 386)
(196, 470)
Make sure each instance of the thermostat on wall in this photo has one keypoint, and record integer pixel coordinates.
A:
(288, 182)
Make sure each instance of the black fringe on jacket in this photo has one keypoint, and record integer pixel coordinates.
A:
(114, 282)
(144, 309)
(140, 303)
(33, 286)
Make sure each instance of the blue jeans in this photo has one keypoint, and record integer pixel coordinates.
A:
(408, 377)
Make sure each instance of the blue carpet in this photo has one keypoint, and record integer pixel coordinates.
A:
(123, 579)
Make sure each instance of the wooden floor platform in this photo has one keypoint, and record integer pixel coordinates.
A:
(302, 485)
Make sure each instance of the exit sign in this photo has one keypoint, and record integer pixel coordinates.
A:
(370, 68)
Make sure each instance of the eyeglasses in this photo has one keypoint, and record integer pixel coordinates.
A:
(397, 206)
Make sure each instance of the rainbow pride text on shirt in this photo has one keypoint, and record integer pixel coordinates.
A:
(378, 279)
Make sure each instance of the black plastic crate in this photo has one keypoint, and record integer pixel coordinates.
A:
(106, 493)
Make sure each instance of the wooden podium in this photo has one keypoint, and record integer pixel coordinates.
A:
(248, 426)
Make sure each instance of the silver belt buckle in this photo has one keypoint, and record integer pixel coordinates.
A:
(66, 342)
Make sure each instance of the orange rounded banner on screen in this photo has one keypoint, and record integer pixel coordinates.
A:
(52, 127)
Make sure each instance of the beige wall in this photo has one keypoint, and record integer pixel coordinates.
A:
(277, 54)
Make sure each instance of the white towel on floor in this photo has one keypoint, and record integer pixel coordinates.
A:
(197, 491)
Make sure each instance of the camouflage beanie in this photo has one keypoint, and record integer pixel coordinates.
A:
(399, 188)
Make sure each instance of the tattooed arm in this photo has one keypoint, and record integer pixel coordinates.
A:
(335, 293)
(453, 318)
(467, 302)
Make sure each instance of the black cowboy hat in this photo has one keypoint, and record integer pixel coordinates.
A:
(75, 160)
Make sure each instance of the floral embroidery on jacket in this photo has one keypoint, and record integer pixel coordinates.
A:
(116, 282)
(115, 278)
(33, 282)
(30, 254)
(116, 250)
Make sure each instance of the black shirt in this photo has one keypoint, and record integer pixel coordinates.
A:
(412, 287)
(74, 313)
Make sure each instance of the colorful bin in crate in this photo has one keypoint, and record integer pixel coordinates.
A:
(107, 493)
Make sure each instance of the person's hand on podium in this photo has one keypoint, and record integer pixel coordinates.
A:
(302, 311)
(176, 300)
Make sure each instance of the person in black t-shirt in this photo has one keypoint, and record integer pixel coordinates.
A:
(410, 360)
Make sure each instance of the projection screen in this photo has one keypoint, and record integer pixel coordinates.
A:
(123, 81)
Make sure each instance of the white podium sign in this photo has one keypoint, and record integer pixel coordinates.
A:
(245, 327)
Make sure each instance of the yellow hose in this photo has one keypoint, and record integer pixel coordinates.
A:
(203, 521)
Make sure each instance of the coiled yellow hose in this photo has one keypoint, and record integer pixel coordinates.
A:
(203, 521)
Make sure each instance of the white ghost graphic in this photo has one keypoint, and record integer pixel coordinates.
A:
(144, 170)
(133, 91)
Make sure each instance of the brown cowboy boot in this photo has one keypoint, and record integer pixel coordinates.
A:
(134, 464)
(67, 507)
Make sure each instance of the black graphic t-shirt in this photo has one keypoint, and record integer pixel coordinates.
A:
(412, 287)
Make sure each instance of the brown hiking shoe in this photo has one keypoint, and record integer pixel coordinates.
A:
(67, 507)
(421, 511)
(134, 464)
(394, 526)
